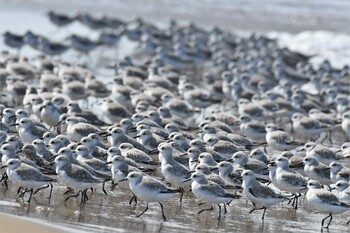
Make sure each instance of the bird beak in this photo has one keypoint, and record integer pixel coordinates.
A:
(20, 151)
(3, 166)
(272, 163)
(195, 160)
(186, 180)
(214, 169)
(59, 123)
(300, 150)
(14, 124)
(108, 163)
(125, 179)
(137, 136)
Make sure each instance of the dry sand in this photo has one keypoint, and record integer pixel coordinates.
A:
(16, 224)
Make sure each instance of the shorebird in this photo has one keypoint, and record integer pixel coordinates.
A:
(210, 192)
(28, 177)
(150, 190)
(258, 193)
(324, 201)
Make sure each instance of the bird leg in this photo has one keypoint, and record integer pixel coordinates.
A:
(219, 211)
(329, 216)
(31, 194)
(103, 188)
(68, 191)
(210, 209)
(182, 193)
(19, 190)
(225, 209)
(134, 198)
(74, 195)
(145, 211)
(36, 191)
(262, 208)
(161, 206)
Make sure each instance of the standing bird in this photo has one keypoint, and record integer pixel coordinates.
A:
(258, 193)
(150, 190)
(27, 177)
(324, 201)
(210, 192)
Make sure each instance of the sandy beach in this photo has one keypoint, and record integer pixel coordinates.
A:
(313, 27)
(17, 224)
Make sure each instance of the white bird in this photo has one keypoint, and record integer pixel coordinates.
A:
(324, 201)
(258, 193)
(150, 190)
(210, 192)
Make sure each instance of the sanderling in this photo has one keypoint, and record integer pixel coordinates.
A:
(346, 123)
(15, 141)
(207, 159)
(139, 156)
(295, 162)
(28, 132)
(173, 171)
(259, 154)
(74, 89)
(114, 151)
(289, 180)
(117, 137)
(28, 151)
(75, 177)
(339, 172)
(224, 148)
(8, 152)
(324, 201)
(280, 140)
(120, 170)
(75, 110)
(308, 127)
(210, 175)
(193, 154)
(77, 130)
(13, 40)
(317, 171)
(148, 140)
(94, 150)
(114, 111)
(230, 174)
(241, 160)
(258, 193)
(322, 153)
(150, 190)
(177, 106)
(343, 190)
(41, 149)
(27, 177)
(98, 165)
(55, 145)
(210, 192)
(60, 20)
(254, 130)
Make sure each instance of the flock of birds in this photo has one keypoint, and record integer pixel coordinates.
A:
(220, 116)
